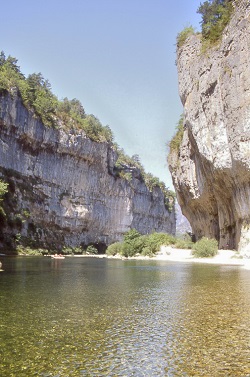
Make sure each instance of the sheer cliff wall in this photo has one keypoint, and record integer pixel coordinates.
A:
(211, 169)
(64, 189)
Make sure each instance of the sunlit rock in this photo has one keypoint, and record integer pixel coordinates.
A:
(63, 187)
(211, 170)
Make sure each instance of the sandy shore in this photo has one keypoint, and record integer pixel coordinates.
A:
(168, 253)
(224, 257)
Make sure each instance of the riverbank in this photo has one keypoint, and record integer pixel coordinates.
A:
(168, 253)
(226, 257)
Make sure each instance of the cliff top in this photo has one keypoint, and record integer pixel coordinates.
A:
(36, 94)
(215, 16)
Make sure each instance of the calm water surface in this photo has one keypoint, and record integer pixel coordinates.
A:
(99, 317)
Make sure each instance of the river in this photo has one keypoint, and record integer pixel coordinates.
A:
(107, 317)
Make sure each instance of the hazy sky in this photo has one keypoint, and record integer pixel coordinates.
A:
(116, 56)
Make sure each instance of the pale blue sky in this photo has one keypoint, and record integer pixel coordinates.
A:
(116, 56)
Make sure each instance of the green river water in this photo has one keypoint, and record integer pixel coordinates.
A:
(106, 317)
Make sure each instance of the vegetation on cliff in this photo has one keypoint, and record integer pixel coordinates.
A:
(3, 191)
(175, 142)
(215, 16)
(125, 166)
(38, 98)
(184, 34)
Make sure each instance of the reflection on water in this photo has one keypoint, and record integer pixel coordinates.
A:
(211, 334)
(99, 317)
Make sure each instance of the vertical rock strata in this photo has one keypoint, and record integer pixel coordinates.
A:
(63, 187)
(211, 170)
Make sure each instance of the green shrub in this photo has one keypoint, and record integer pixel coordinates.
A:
(139, 244)
(21, 250)
(130, 235)
(3, 189)
(156, 240)
(67, 250)
(146, 245)
(133, 243)
(126, 175)
(175, 143)
(91, 250)
(77, 250)
(147, 252)
(114, 248)
(184, 34)
(183, 244)
(205, 248)
(127, 250)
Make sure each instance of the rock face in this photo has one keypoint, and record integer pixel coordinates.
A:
(63, 187)
(182, 224)
(211, 169)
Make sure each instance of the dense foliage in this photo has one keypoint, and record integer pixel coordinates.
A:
(91, 250)
(37, 96)
(21, 250)
(215, 16)
(147, 245)
(205, 248)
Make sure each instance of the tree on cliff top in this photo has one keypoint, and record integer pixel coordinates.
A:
(215, 16)
(37, 96)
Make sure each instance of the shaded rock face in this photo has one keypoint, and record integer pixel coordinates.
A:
(211, 170)
(63, 187)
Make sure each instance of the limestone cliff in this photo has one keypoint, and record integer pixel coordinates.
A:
(64, 188)
(211, 168)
